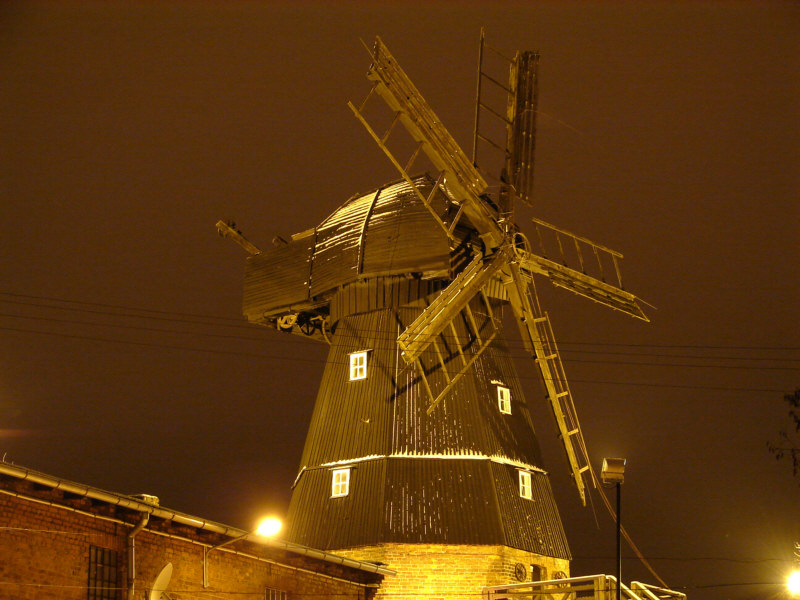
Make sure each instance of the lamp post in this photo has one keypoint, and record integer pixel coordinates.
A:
(267, 528)
(613, 473)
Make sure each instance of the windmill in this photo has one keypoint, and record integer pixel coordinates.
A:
(420, 436)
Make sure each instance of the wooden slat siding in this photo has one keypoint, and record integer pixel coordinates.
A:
(522, 430)
(535, 524)
(468, 420)
(385, 226)
(452, 494)
(402, 237)
(351, 418)
(277, 278)
(385, 232)
(336, 255)
(440, 501)
(496, 289)
(327, 523)
(426, 501)
(388, 292)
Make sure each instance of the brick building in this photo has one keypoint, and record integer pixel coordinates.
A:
(64, 540)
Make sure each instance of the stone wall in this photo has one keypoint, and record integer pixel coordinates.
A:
(437, 571)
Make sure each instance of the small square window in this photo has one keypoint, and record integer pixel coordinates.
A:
(504, 399)
(341, 483)
(525, 485)
(358, 365)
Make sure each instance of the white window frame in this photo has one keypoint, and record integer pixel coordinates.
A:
(274, 594)
(340, 482)
(504, 399)
(525, 487)
(358, 365)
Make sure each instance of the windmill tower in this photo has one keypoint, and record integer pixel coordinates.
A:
(421, 453)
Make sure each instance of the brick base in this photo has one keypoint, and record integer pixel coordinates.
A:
(438, 571)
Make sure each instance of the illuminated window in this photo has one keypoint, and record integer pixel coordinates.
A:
(358, 365)
(504, 399)
(525, 485)
(102, 574)
(275, 594)
(341, 483)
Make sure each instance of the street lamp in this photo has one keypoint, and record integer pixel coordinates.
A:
(267, 528)
(793, 584)
(613, 472)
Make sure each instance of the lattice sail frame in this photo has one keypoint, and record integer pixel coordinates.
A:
(507, 256)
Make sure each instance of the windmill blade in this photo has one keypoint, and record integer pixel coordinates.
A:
(458, 173)
(580, 281)
(511, 108)
(537, 336)
(416, 338)
(584, 285)
(522, 130)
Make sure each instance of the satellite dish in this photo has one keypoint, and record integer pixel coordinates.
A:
(159, 589)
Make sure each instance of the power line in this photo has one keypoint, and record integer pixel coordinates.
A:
(238, 323)
(134, 327)
(193, 318)
(237, 337)
(318, 361)
(119, 306)
(511, 345)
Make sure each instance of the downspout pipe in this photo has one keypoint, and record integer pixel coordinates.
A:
(132, 553)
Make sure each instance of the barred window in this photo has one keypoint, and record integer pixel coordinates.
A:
(103, 584)
(273, 594)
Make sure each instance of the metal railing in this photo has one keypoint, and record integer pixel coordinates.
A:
(590, 587)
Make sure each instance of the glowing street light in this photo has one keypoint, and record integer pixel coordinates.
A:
(793, 584)
(268, 527)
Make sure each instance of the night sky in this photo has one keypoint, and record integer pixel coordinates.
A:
(667, 131)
